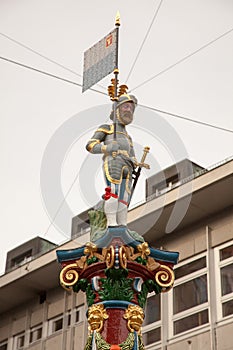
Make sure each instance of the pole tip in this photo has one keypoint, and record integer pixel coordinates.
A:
(117, 21)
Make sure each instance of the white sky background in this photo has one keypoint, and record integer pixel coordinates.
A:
(33, 106)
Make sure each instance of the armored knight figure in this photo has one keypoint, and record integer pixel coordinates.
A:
(119, 160)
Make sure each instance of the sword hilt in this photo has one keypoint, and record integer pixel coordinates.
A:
(142, 162)
(145, 152)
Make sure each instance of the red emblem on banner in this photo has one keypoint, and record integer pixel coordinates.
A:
(108, 40)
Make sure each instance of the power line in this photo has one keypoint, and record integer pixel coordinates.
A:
(187, 119)
(48, 74)
(144, 40)
(103, 93)
(183, 59)
(43, 56)
(77, 84)
(39, 54)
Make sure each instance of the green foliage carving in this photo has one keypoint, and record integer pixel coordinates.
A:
(148, 287)
(89, 343)
(141, 261)
(128, 343)
(116, 286)
(98, 223)
(103, 345)
(84, 286)
(90, 295)
(143, 295)
(116, 274)
(92, 260)
(80, 285)
(157, 288)
(141, 345)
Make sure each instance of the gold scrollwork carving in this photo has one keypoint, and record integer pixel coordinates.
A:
(165, 276)
(152, 264)
(110, 257)
(90, 249)
(81, 263)
(144, 250)
(123, 257)
(134, 316)
(96, 316)
(69, 276)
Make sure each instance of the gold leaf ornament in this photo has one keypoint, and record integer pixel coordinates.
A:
(123, 257)
(110, 257)
(134, 315)
(69, 276)
(144, 250)
(96, 316)
(90, 249)
(165, 276)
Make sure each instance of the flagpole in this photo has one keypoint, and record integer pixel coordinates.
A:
(116, 72)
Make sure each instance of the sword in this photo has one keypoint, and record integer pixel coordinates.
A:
(137, 173)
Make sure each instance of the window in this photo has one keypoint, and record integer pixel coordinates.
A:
(166, 184)
(55, 324)
(3, 345)
(83, 227)
(151, 336)
(75, 316)
(19, 341)
(224, 280)
(189, 299)
(22, 259)
(79, 314)
(151, 330)
(69, 319)
(35, 334)
(152, 310)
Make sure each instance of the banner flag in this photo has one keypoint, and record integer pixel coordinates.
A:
(100, 60)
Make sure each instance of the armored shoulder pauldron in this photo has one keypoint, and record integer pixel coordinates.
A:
(106, 128)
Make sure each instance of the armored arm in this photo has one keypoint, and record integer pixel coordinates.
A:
(96, 143)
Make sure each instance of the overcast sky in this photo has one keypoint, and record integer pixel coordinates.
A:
(34, 107)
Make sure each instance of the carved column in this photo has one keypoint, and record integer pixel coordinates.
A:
(116, 279)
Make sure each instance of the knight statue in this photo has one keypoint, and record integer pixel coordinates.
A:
(119, 162)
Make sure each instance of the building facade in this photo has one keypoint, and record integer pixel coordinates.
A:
(192, 215)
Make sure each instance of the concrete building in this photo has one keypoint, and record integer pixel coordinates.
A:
(26, 252)
(192, 214)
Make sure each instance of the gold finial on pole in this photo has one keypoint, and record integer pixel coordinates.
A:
(117, 21)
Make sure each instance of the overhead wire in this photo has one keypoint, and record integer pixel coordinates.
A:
(95, 90)
(103, 93)
(187, 119)
(80, 85)
(43, 56)
(39, 54)
(48, 74)
(182, 59)
(144, 40)
(147, 107)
